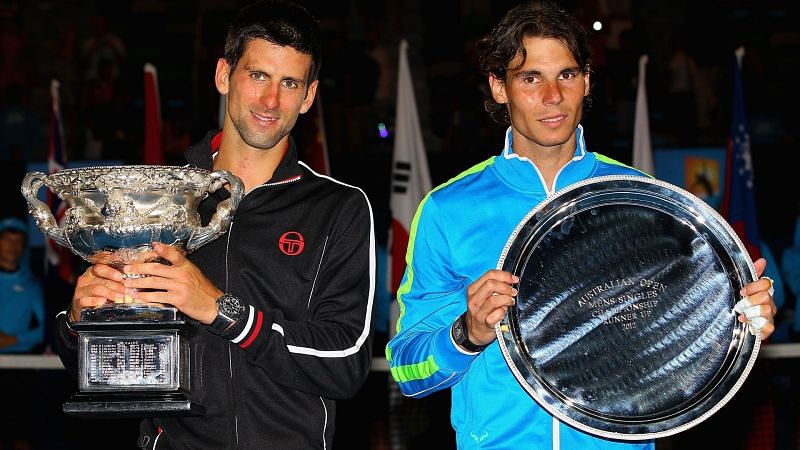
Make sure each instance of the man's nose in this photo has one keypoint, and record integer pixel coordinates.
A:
(270, 96)
(552, 93)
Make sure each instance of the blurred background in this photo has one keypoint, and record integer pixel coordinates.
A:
(96, 50)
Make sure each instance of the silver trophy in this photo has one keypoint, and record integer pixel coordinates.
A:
(135, 359)
(624, 326)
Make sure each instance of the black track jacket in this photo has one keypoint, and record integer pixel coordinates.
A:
(300, 252)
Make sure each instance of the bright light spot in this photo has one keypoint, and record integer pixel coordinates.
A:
(382, 131)
(597, 25)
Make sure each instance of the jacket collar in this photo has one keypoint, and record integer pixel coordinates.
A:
(521, 174)
(202, 155)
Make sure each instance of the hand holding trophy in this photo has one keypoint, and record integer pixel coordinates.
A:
(134, 358)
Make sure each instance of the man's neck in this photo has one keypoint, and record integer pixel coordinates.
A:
(549, 163)
(253, 166)
(549, 160)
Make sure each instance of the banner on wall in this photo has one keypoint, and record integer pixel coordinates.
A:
(700, 171)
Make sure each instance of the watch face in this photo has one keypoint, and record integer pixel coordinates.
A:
(229, 305)
(458, 333)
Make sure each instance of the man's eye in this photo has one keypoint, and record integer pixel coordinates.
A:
(258, 76)
(291, 84)
(569, 75)
(530, 80)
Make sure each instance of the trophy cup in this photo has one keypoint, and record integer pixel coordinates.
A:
(134, 359)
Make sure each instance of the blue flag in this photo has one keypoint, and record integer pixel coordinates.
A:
(738, 203)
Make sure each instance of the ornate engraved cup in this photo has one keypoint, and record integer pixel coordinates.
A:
(134, 359)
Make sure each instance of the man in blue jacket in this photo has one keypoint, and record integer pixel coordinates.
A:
(537, 64)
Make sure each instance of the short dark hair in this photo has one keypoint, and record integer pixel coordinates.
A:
(279, 22)
(542, 19)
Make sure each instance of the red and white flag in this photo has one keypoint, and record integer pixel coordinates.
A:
(57, 259)
(153, 152)
(317, 148)
(411, 179)
(309, 137)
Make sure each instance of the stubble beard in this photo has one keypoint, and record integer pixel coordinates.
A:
(263, 141)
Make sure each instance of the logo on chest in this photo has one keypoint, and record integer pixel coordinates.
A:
(291, 243)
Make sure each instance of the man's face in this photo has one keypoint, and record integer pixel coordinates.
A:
(544, 96)
(12, 244)
(266, 92)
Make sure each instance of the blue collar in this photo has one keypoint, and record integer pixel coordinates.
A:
(521, 174)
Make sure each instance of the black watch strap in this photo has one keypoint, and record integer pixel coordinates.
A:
(230, 311)
(458, 331)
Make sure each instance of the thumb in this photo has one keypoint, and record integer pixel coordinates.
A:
(760, 264)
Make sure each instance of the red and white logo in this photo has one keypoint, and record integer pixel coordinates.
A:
(291, 243)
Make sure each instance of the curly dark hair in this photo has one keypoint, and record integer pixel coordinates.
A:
(279, 22)
(543, 19)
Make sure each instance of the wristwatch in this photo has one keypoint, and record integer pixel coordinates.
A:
(229, 310)
(458, 331)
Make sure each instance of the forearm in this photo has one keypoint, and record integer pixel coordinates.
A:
(327, 350)
(326, 357)
(423, 358)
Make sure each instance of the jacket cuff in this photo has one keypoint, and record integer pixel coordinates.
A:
(247, 328)
(64, 316)
(448, 355)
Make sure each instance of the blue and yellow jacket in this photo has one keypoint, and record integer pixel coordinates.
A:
(457, 234)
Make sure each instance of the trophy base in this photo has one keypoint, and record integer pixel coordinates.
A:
(116, 406)
(132, 366)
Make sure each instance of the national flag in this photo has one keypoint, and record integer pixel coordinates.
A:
(411, 179)
(317, 150)
(738, 201)
(153, 152)
(642, 147)
(58, 259)
(739, 209)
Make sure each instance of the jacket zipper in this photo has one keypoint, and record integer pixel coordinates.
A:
(549, 191)
(227, 286)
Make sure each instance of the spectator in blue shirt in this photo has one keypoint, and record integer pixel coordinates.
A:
(21, 297)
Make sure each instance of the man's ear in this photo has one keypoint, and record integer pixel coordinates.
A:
(498, 88)
(311, 92)
(222, 76)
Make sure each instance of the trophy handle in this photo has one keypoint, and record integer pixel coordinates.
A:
(31, 184)
(225, 210)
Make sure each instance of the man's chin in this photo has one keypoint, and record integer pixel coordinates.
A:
(261, 142)
(554, 138)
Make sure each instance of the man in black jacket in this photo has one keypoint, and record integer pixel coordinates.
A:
(297, 262)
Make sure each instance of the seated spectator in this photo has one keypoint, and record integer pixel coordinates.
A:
(21, 298)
